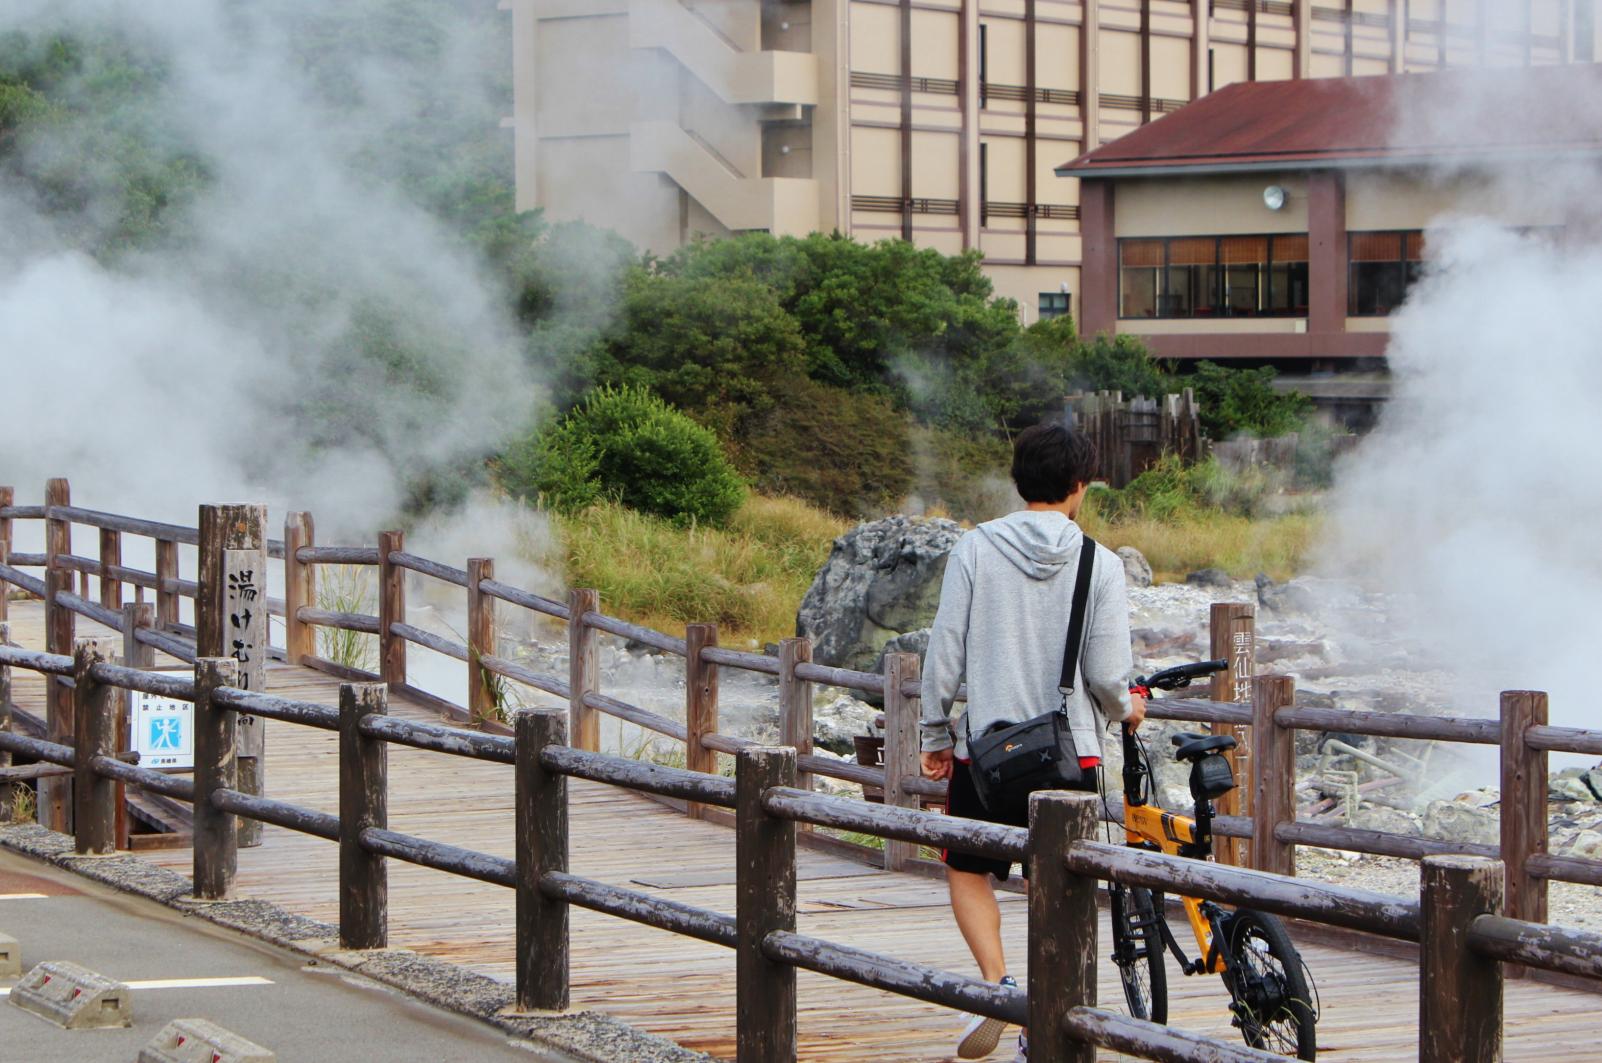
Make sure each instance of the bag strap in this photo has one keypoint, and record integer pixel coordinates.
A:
(1076, 618)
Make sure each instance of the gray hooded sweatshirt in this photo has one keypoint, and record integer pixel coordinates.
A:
(1003, 622)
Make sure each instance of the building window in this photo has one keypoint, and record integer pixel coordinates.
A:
(1214, 276)
(1055, 304)
(984, 66)
(1383, 268)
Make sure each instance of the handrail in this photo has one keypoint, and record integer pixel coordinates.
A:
(644, 635)
(306, 713)
(401, 559)
(527, 599)
(907, 824)
(337, 555)
(22, 512)
(360, 622)
(1553, 948)
(636, 715)
(512, 670)
(153, 529)
(427, 640)
(640, 775)
(437, 738)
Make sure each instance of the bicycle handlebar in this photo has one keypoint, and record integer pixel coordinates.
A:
(1180, 676)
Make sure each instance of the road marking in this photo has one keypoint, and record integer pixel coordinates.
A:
(22, 896)
(188, 983)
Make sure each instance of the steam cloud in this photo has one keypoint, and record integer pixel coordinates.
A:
(1477, 499)
(223, 366)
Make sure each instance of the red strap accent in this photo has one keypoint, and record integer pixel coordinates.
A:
(1085, 763)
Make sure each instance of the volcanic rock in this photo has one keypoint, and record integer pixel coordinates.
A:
(1292, 597)
(1137, 570)
(835, 725)
(910, 642)
(882, 579)
(1460, 823)
(1209, 577)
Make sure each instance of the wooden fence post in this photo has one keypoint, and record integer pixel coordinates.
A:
(901, 745)
(136, 617)
(55, 803)
(8, 498)
(1460, 992)
(542, 922)
(700, 704)
(363, 803)
(300, 588)
(1273, 780)
(7, 790)
(1233, 634)
(216, 836)
(583, 670)
(795, 704)
(110, 557)
(94, 797)
(391, 609)
(482, 704)
(764, 861)
(231, 621)
(167, 574)
(1062, 923)
(1523, 807)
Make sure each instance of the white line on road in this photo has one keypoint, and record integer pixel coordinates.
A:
(22, 896)
(188, 983)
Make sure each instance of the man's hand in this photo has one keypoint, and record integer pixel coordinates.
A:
(1137, 715)
(937, 765)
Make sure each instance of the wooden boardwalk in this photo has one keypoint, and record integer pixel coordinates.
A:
(684, 989)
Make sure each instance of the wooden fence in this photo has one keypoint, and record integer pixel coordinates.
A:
(1131, 434)
(1465, 926)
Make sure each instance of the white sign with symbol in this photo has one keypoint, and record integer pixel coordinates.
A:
(162, 730)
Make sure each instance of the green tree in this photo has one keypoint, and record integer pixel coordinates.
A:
(1234, 401)
(1118, 363)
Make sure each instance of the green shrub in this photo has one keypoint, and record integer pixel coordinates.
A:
(627, 444)
(1234, 401)
(1173, 492)
(1118, 363)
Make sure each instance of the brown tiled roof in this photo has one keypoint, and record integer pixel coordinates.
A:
(1538, 111)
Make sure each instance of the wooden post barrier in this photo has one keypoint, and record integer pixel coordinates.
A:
(94, 797)
(136, 617)
(795, 703)
(1273, 780)
(391, 609)
(216, 833)
(110, 557)
(167, 575)
(1460, 991)
(231, 621)
(8, 799)
(542, 921)
(700, 704)
(1523, 807)
(55, 794)
(764, 862)
(1062, 923)
(482, 704)
(901, 745)
(1233, 638)
(583, 670)
(8, 498)
(300, 588)
(363, 803)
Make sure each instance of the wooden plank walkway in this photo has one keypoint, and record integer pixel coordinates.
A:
(684, 989)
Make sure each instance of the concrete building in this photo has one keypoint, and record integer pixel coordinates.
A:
(939, 121)
(1283, 222)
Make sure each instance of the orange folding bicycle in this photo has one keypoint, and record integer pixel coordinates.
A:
(1271, 999)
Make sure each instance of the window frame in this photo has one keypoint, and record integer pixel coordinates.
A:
(1066, 310)
(1264, 275)
(1402, 263)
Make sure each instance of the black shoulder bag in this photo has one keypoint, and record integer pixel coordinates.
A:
(1012, 761)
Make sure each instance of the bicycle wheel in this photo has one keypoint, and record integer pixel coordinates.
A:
(1138, 952)
(1272, 1002)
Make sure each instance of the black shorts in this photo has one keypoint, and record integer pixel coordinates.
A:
(963, 801)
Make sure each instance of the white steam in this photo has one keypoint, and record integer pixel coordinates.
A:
(1478, 498)
(222, 367)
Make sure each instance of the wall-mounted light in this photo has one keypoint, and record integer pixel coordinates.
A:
(1274, 197)
(784, 149)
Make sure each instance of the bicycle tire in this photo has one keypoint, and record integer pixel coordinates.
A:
(1270, 997)
(1138, 952)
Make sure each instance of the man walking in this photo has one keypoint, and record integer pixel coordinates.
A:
(1003, 620)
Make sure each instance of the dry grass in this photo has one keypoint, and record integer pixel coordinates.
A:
(1241, 546)
(748, 577)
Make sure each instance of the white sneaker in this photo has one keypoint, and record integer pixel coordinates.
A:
(982, 1034)
(1023, 1049)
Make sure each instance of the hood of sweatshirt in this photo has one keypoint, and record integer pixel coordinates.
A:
(1038, 542)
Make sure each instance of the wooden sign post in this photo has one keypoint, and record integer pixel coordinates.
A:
(1234, 638)
(231, 621)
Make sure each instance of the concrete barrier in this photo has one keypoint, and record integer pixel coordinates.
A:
(199, 1041)
(74, 997)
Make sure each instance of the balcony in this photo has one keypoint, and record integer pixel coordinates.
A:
(736, 74)
(784, 206)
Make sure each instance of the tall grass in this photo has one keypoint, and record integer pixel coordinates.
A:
(1241, 546)
(346, 589)
(748, 577)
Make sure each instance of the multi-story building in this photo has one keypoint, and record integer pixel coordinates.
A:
(938, 121)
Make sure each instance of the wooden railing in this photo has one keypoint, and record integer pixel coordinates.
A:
(1464, 938)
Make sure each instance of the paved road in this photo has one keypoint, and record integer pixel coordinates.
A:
(298, 1008)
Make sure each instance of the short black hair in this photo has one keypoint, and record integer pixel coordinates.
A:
(1050, 461)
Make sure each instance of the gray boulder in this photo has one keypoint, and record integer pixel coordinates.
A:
(882, 579)
(1137, 570)
(1461, 823)
(1292, 597)
(1209, 577)
(910, 642)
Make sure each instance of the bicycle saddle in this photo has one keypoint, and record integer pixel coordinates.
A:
(1192, 745)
